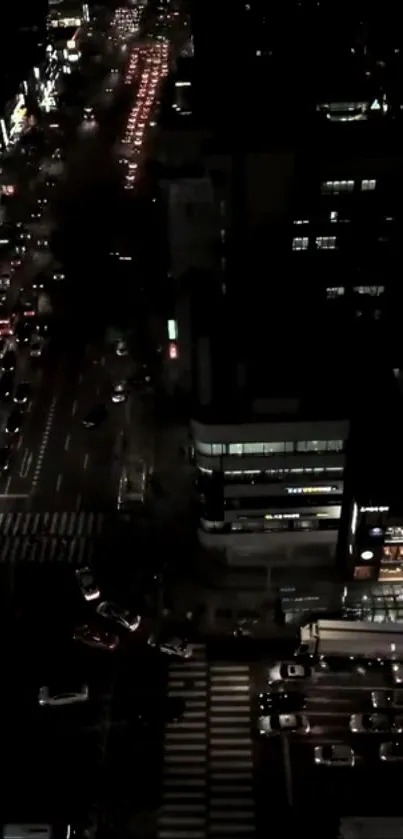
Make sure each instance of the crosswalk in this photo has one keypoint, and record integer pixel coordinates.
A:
(208, 762)
(49, 537)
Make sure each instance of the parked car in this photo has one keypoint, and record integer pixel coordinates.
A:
(50, 696)
(339, 754)
(391, 752)
(288, 670)
(113, 612)
(95, 417)
(95, 637)
(278, 723)
(376, 723)
(86, 581)
(172, 646)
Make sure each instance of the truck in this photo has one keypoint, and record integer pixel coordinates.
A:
(346, 638)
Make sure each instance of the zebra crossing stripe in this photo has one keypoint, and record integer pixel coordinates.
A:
(49, 537)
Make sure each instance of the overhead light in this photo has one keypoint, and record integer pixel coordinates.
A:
(367, 555)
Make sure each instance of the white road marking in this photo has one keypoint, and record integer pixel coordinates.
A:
(7, 486)
(19, 444)
(78, 502)
(44, 442)
(86, 461)
(74, 408)
(25, 464)
(67, 443)
(58, 482)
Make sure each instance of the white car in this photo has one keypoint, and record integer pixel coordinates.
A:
(121, 348)
(119, 614)
(174, 646)
(277, 723)
(284, 670)
(48, 697)
(376, 723)
(88, 586)
(338, 755)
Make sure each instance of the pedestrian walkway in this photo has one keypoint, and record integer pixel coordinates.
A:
(49, 537)
(208, 764)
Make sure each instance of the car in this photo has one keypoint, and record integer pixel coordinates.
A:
(88, 586)
(278, 702)
(9, 361)
(22, 393)
(42, 244)
(382, 699)
(14, 422)
(121, 348)
(23, 332)
(38, 285)
(49, 696)
(6, 386)
(4, 344)
(397, 673)
(95, 417)
(172, 646)
(96, 637)
(376, 723)
(391, 752)
(36, 346)
(113, 612)
(58, 276)
(4, 459)
(339, 754)
(278, 723)
(284, 670)
(36, 215)
(119, 392)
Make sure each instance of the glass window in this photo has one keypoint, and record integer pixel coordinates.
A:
(334, 292)
(218, 448)
(274, 448)
(368, 186)
(326, 243)
(335, 187)
(334, 445)
(289, 447)
(311, 446)
(371, 290)
(235, 448)
(300, 243)
(253, 448)
(203, 448)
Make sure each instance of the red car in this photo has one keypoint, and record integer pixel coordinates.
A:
(95, 637)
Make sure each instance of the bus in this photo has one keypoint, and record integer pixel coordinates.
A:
(132, 485)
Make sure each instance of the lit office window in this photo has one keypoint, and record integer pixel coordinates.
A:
(335, 187)
(326, 243)
(335, 292)
(301, 221)
(334, 216)
(367, 186)
(369, 290)
(300, 243)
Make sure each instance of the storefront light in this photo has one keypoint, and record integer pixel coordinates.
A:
(367, 555)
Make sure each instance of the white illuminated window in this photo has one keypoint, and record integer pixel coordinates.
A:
(367, 186)
(334, 216)
(301, 221)
(335, 187)
(335, 292)
(300, 243)
(371, 290)
(326, 243)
